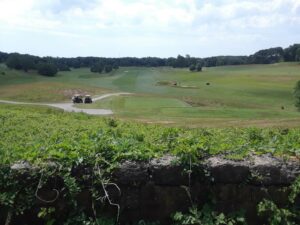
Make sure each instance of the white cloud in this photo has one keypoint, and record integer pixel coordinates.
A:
(148, 15)
(153, 21)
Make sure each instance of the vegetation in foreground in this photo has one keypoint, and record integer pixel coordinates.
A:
(44, 135)
(38, 134)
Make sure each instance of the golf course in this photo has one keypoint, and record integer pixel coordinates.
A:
(224, 96)
(128, 112)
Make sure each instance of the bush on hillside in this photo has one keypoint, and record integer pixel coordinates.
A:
(20, 62)
(63, 67)
(115, 66)
(192, 68)
(97, 68)
(47, 69)
(198, 67)
(108, 68)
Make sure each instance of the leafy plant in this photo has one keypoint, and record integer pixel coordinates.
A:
(54, 143)
(282, 216)
(206, 216)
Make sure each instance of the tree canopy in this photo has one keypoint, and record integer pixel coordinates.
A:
(271, 55)
(47, 69)
(192, 67)
(267, 56)
(108, 68)
(97, 68)
(290, 53)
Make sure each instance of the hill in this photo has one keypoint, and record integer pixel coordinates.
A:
(245, 95)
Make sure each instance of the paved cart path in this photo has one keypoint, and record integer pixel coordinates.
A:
(70, 107)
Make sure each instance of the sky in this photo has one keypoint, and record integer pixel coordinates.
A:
(141, 28)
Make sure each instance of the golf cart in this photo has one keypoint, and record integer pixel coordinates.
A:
(88, 99)
(77, 99)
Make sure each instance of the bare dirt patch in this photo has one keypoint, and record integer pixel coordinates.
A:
(175, 84)
(71, 92)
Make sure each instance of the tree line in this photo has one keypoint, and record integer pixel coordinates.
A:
(50, 65)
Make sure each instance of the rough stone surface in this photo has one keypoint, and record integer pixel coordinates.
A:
(156, 189)
(167, 171)
(132, 173)
(21, 165)
(235, 185)
(227, 171)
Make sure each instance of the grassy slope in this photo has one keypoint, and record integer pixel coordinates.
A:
(31, 87)
(39, 133)
(237, 95)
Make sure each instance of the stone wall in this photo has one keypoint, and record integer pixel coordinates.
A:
(154, 190)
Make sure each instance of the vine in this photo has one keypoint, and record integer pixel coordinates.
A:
(289, 215)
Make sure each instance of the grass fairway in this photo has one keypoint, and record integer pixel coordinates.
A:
(248, 95)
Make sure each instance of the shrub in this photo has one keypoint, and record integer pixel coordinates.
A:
(108, 68)
(192, 67)
(97, 68)
(47, 69)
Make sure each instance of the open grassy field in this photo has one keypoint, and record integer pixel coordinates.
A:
(248, 95)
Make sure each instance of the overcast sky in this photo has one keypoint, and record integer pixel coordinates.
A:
(117, 28)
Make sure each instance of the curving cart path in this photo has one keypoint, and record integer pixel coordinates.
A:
(70, 107)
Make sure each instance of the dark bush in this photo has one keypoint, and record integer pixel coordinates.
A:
(108, 68)
(47, 69)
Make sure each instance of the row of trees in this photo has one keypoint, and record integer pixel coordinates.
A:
(99, 68)
(274, 55)
(28, 62)
(196, 67)
(271, 55)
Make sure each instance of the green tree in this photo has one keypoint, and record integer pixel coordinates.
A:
(13, 62)
(20, 62)
(108, 68)
(192, 68)
(27, 62)
(63, 67)
(115, 66)
(97, 68)
(297, 95)
(198, 67)
(47, 69)
(298, 55)
(180, 62)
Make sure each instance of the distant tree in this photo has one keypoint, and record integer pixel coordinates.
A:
(210, 62)
(192, 67)
(13, 61)
(180, 62)
(97, 68)
(20, 62)
(171, 61)
(199, 67)
(298, 55)
(3, 57)
(63, 67)
(297, 95)
(290, 53)
(108, 68)
(27, 62)
(47, 69)
(115, 66)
